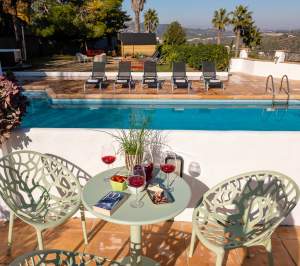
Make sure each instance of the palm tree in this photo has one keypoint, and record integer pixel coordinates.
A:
(151, 20)
(137, 7)
(240, 18)
(220, 21)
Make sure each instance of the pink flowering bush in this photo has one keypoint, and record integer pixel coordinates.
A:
(12, 107)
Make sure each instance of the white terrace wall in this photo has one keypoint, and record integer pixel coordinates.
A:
(265, 68)
(209, 156)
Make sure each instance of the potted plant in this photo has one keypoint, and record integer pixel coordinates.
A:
(132, 142)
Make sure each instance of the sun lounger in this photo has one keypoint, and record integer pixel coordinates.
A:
(150, 74)
(124, 75)
(98, 75)
(81, 58)
(210, 76)
(179, 77)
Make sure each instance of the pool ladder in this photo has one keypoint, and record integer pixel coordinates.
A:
(270, 87)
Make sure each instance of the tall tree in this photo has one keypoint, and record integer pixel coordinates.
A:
(175, 34)
(137, 7)
(220, 21)
(19, 11)
(251, 36)
(240, 19)
(151, 20)
(102, 18)
(78, 19)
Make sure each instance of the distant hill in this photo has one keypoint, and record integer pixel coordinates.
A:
(272, 39)
(160, 31)
(190, 32)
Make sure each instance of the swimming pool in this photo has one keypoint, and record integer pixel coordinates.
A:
(162, 114)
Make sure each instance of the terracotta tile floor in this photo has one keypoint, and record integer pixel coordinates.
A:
(167, 243)
(239, 86)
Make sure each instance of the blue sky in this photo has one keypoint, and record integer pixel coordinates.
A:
(268, 14)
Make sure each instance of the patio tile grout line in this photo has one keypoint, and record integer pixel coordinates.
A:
(287, 250)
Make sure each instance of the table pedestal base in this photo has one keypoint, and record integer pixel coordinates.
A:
(136, 258)
(145, 262)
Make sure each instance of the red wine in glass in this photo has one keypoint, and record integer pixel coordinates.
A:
(136, 184)
(108, 159)
(108, 156)
(145, 168)
(136, 181)
(167, 168)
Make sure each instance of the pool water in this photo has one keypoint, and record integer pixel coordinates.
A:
(191, 115)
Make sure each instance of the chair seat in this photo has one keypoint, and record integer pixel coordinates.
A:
(123, 81)
(93, 81)
(180, 80)
(150, 80)
(215, 81)
(228, 235)
(54, 213)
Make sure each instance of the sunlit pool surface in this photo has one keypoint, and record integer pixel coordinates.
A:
(162, 114)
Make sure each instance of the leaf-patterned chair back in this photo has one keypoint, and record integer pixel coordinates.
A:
(36, 187)
(249, 207)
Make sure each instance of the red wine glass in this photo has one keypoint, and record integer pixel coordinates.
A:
(108, 156)
(136, 184)
(168, 166)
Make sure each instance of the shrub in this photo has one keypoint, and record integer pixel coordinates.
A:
(12, 107)
(194, 55)
(139, 56)
(175, 34)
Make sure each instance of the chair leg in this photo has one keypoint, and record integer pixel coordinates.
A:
(84, 87)
(83, 225)
(247, 253)
(220, 258)
(40, 239)
(192, 245)
(270, 255)
(10, 231)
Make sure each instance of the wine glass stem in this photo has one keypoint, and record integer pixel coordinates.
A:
(168, 181)
(107, 179)
(136, 199)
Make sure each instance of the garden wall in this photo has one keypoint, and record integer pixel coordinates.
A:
(210, 156)
(265, 68)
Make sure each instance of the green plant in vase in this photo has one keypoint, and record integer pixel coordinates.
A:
(132, 141)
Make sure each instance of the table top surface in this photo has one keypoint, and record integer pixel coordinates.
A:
(150, 213)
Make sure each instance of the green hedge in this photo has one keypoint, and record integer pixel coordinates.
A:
(194, 55)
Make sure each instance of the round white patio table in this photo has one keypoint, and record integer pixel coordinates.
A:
(150, 213)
